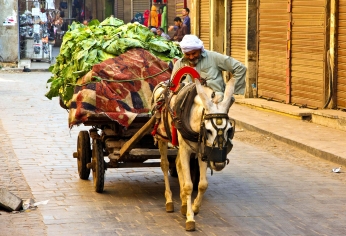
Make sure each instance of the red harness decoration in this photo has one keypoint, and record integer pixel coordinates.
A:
(174, 87)
(180, 73)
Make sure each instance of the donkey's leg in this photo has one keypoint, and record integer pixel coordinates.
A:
(183, 208)
(164, 167)
(202, 186)
(184, 156)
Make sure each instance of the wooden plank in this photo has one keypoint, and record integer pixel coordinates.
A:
(140, 133)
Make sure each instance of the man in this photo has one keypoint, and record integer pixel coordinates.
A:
(210, 66)
(185, 12)
(160, 32)
(153, 30)
(181, 31)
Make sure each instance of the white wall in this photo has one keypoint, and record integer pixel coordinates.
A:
(8, 34)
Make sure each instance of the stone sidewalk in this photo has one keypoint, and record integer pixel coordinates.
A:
(293, 126)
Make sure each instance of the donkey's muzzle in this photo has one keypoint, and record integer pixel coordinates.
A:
(216, 154)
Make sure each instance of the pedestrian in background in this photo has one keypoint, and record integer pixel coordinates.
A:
(186, 21)
(160, 32)
(181, 30)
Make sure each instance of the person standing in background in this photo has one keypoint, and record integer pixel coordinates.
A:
(181, 31)
(185, 12)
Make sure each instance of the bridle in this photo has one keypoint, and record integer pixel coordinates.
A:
(217, 151)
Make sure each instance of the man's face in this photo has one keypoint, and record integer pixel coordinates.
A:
(176, 23)
(193, 57)
(184, 12)
(159, 32)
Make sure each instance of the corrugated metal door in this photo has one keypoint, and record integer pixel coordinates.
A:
(204, 22)
(307, 53)
(139, 6)
(271, 78)
(179, 5)
(238, 30)
(341, 82)
(120, 9)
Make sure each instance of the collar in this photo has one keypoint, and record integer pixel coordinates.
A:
(204, 53)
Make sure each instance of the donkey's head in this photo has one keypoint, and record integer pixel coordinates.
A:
(216, 128)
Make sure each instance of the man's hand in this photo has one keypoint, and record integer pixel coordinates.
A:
(170, 28)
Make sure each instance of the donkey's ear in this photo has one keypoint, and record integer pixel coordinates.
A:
(227, 98)
(207, 102)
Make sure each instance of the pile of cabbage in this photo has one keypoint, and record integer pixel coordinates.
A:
(85, 46)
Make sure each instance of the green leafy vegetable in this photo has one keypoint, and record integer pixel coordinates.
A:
(85, 46)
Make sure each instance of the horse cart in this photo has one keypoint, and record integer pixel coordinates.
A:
(126, 146)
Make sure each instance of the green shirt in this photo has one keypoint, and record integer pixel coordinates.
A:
(210, 67)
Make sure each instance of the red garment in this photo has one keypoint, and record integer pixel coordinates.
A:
(146, 17)
(159, 17)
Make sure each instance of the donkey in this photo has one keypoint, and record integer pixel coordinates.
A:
(204, 129)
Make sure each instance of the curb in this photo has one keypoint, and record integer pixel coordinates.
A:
(21, 70)
(314, 151)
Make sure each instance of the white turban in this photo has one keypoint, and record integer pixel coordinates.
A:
(191, 42)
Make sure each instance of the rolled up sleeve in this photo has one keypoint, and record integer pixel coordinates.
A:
(238, 71)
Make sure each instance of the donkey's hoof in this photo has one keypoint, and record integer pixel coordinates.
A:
(169, 207)
(195, 210)
(190, 226)
(183, 210)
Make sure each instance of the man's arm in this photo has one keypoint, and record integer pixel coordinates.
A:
(238, 70)
(175, 35)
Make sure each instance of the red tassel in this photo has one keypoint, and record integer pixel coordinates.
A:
(174, 136)
(153, 133)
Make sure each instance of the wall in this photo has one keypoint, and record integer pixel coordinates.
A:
(8, 34)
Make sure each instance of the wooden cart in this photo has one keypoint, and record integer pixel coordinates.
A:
(132, 147)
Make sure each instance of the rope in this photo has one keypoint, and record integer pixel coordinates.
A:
(98, 79)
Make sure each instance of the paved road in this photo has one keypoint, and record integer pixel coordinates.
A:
(261, 192)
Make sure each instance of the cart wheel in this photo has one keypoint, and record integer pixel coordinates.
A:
(194, 171)
(84, 154)
(98, 166)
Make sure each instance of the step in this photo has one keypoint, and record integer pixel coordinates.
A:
(327, 117)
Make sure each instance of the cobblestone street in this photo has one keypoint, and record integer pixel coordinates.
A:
(267, 189)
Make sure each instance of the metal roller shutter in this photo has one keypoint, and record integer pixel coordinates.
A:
(139, 6)
(271, 78)
(307, 58)
(238, 30)
(120, 9)
(204, 25)
(179, 7)
(341, 82)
